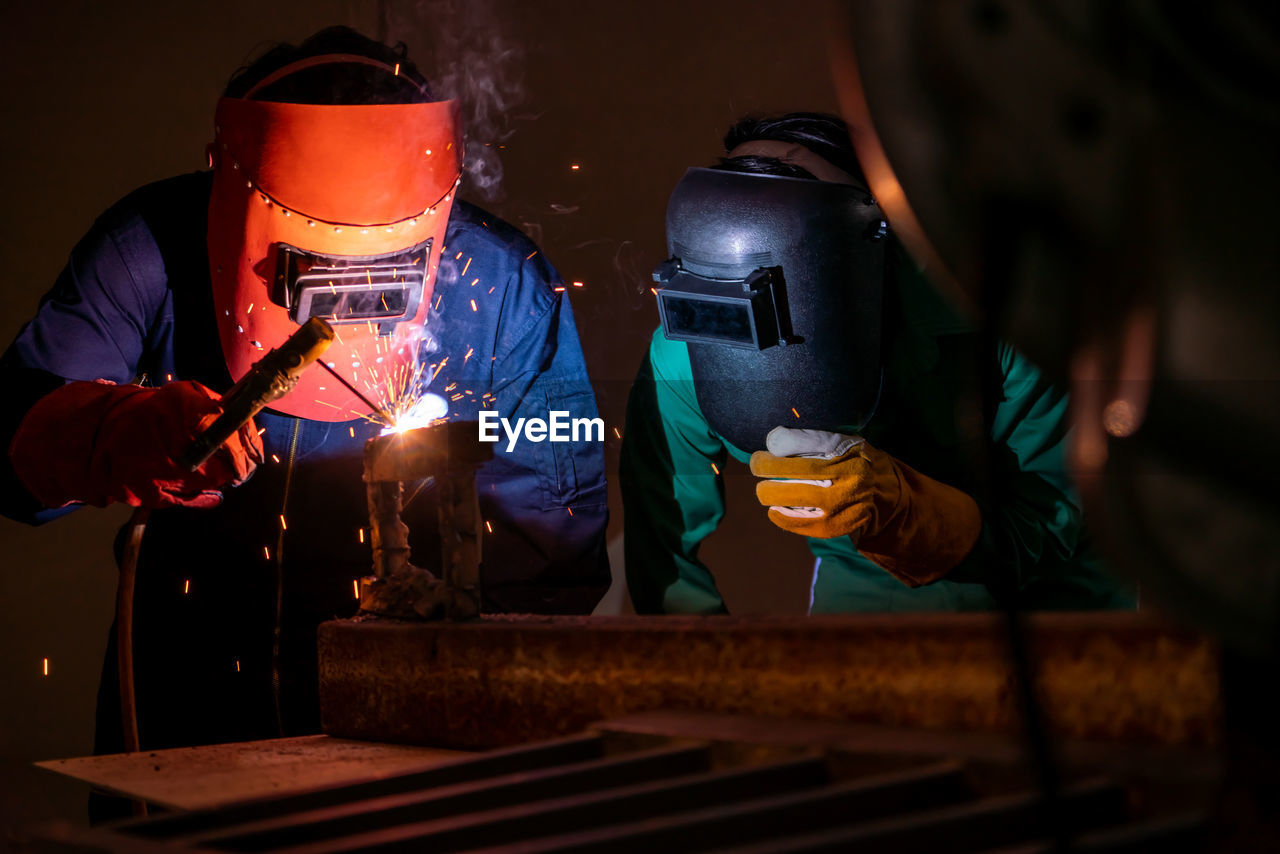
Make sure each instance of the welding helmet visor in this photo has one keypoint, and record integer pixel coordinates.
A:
(333, 211)
(776, 284)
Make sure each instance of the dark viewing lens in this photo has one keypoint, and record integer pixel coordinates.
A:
(350, 289)
(356, 305)
(708, 319)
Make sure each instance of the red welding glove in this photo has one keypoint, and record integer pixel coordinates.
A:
(830, 485)
(97, 442)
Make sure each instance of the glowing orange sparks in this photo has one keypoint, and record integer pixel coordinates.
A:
(266, 552)
(360, 533)
(714, 469)
(46, 667)
(488, 526)
(237, 665)
(531, 254)
(617, 433)
(464, 268)
(473, 306)
(186, 587)
(793, 412)
(355, 587)
(574, 166)
(284, 526)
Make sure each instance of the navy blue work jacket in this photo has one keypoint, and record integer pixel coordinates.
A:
(228, 599)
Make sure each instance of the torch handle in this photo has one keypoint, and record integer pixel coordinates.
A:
(268, 380)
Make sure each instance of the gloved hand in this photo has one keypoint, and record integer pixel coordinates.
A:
(830, 485)
(97, 442)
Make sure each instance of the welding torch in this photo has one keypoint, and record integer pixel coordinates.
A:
(270, 378)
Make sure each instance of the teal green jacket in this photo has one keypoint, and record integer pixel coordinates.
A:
(1031, 548)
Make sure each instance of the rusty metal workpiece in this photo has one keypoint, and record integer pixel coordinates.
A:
(503, 680)
(450, 453)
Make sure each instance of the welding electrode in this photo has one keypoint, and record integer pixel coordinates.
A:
(380, 411)
(269, 379)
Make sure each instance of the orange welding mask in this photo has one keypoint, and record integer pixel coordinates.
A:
(333, 211)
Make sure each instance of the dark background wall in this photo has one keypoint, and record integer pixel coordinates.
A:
(98, 98)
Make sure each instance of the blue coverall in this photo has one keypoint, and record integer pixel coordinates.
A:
(227, 601)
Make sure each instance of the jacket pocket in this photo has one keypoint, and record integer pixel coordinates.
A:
(576, 476)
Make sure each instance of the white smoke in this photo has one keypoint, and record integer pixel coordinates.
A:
(472, 58)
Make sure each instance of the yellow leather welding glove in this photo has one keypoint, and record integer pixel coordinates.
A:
(822, 484)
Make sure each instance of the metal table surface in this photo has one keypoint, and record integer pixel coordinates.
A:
(186, 778)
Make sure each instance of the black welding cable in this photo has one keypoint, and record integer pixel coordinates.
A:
(1005, 221)
(136, 527)
(1043, 756)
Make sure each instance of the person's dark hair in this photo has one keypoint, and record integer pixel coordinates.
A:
(757, 165)
(333, 83)
(825, 135)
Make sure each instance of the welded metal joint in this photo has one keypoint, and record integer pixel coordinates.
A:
(450, 453)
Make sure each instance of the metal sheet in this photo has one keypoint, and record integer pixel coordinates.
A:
(195, 777)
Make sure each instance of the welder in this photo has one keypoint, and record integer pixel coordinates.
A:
(798, 338)
(332, 194)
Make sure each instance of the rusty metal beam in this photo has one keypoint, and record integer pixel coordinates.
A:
(504, 680)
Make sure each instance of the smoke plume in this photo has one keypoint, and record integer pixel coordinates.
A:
(477, 62)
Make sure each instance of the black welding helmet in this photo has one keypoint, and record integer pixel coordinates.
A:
(776, 284)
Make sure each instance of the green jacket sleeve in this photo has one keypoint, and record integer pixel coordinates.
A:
(1032, 525)
(672, 496)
